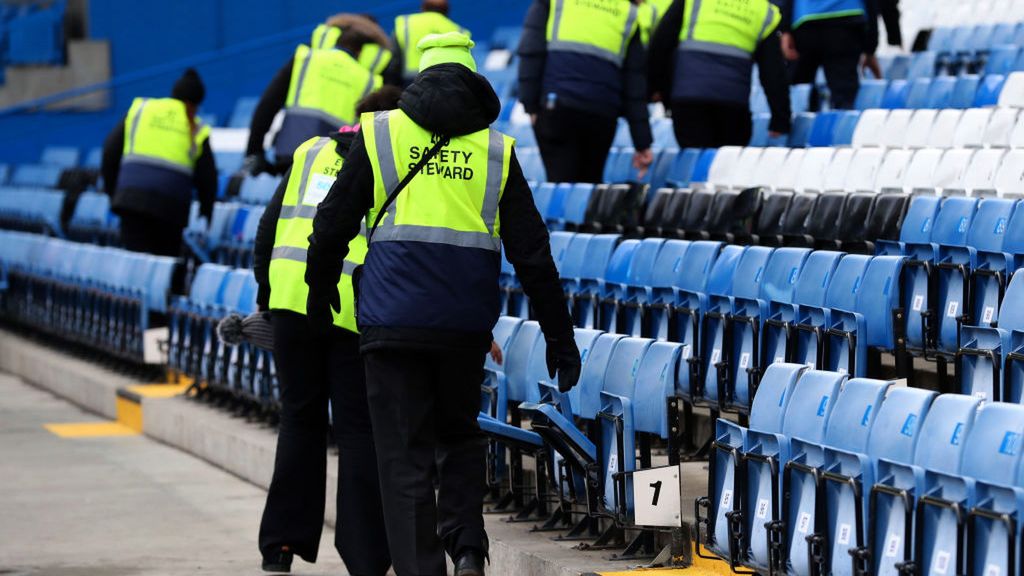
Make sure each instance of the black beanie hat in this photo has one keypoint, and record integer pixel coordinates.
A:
(189, 88)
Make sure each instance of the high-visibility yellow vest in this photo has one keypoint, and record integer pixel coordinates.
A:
(650, 15)
(373, 57)
(158, 133)
(314, 169)
(601, 28)
(726, 27)
(434, 260)
(326, 86)
(411, 28)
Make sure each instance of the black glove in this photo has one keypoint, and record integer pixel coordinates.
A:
(255, 164)
(564, 359)
(323, 297)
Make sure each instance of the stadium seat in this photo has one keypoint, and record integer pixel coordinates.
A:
(1002, 59)
(893, 132)
(1009, 180)
(823, 130)
(979, 178)
(918, 93)
(970, 132)
(919, 128)
(800, 132)
(891, 173)
(896, 95)
(835, 174)
(989, 359)
(869, 128)
(60, 156)
(788, 171)
(989, 90)
(944, 128)
(863, 169)
(1012, 95)
(845, 127)
(964, 90)
(1000, 127)
(870, 95)
(813, 169)
(922, 65)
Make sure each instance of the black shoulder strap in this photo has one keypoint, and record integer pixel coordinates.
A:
(441, 143)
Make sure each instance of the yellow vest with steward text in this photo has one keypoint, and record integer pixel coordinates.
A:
(411, 28)
(315, 168)
(433, 261)
(600, 28)
(326, 86)
(373, 57)
(158, 132)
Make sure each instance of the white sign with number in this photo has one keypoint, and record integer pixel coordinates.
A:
(657, 497)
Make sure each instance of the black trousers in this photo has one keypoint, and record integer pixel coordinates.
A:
(314, 370)
(424, 406)
(574, 144)
(710, 124)
(143, 233)
(836, 47)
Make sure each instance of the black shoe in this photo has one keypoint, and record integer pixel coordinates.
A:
(470, 563)
(278, 562)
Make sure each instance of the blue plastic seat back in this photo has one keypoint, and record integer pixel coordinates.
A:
(917, 224)
(662, 166)
(917, 94)
(818, 270)
(988, 228)
(1002, 34)
(854, 414)
(556, 206)
(800, 132)
(624, 366)
(517, 360)
(870, 94)
(954, 221)
(560, 246)
(642, 268)
(811, 405)
(617, 270)
(823, 131)
(574, 257)
(922, 66)
(879, 294)
(994, 446)
(701, 258)
(944, 433)
(585, 397)
(800, 97)
(1011, 317)
(542, 197)
(782, 274)
(988, 91)
(93, 159)
(846, 125)
(941, 39)
(576, 202)
(749, 274)
(246, 303)
(207, 282)
(964, 91)
(768, 411)
(598, 255)
(703, 165)
(940, 93)
(680, 172)
(655, 384)
(846, 282)
(898, 423)
(719, 281)
(1013, 242)
(60, 156)
(252, 223)
(896, 95)
(671, 262)
(241, 116)
(233, 287)
(502, 333)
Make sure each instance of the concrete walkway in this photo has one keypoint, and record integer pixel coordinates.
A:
(120, 505)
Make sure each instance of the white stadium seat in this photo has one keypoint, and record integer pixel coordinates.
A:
(860, 177)
(869, 128)
(970, 132)
(981, 173)
(1000, 127)
(1009, 180)
(921, 171)
(1012, 95)
(835, 174)
(894, 133)
(744, 172)
(790, 169)
(949, 174)
(723, 164)
(894, 167)
(1017, 134)
(944, 128)
(919, 128)
(812, 171)
(767, 171)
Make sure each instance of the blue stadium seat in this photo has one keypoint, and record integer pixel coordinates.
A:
(941, 39)
(896, 95)
(898, 67)
(800, 132)
(917, 94)
(241, 116)
(845, 127)
(940, 93)
(990, 359)
(703, 165)
(591, 291)
(807, 345)
(258, 189)
(680, 172)
(759, 134)
(1002, 34)
(964, 91)
(953, 263)
(989, 89)
(555, 210)
(576, 202)
(60, 156)
(871, 94)
(823, 131)
(922, 66)
(626, 300)
(37, 175)
(800, 98)
(1002, 59)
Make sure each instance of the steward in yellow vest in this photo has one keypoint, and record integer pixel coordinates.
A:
(411, 28)
(428, 294)
(318, 89)
(151, 163)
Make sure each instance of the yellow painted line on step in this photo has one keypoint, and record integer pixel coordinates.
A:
(129, 413)
(700, 567)
(160, 390)
(90, 429)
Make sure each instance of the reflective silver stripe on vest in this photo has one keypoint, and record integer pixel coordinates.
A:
(135, 125)
(299, 255)
(407, 48)
(158, 162)
(314, 113)
(767, 22)
(303, 211)
(585, 49)
(302, 77)
(714, 48)
(307, 166)
(694, 12)
(557, 20)
(630, 21)
(369, 84)
(376, 62)
(389, 231)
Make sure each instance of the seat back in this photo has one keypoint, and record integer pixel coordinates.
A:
(782, 273)
(575, 255)
(863, 169)
(559, 246)
(894, 132)
(701, 259)
(618, 266)
(811, 405)
(854, 414)
(1009, 179)
(979, 178)
(746, 280)
(944, 128)
(898, 423)
(585, 397)
(1000, 127)
(517, 360)
(719, 281)
(879, 294)
(233, 287)
(892, 172)
(723, 165)
(768, 410)
(812, 170)
(597, 256)
(794, 222)
(869, 127)
(970, 133)
(671, 263)
(920, 126)
(576, 202)
(993, 450)
(850, 226)
(1011, 317)
(789, 171)
(886, 216)
(655, 384)
(624, 366)
(917, 224)
(502, 333)
(773, 209)
(950, 421)
(823, 222)
(846, 282)
(954, 221)
(988, 228)
(642, 268)
(815, 275)
(838, 168)
(950, 173)
(206, 285)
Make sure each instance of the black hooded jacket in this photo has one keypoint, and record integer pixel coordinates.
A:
(446, 99)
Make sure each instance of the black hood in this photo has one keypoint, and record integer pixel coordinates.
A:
(451, 100)
(344, 141)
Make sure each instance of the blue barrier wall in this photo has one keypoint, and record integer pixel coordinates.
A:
(206, 34)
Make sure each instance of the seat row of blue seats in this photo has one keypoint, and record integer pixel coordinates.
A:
(859, 476)
(100, 297)
(228, 237)
(31, 209)
(734, 309)
(967, 91)
(92, 221)
(194, 349)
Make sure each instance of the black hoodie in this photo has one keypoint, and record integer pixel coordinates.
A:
(446, 99)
